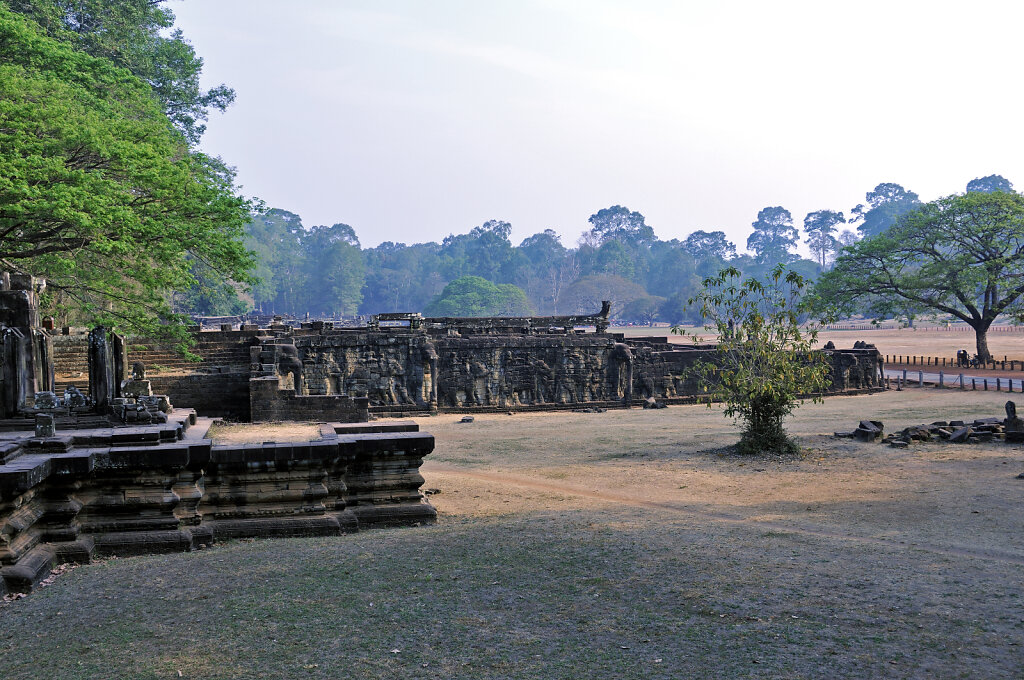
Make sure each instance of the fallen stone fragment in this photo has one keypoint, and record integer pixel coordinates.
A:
(466, 419)
(899, 443)
(961, 435)
(866, 435)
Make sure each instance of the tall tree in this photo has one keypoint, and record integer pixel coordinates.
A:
(672, 268)
(885, 204)
(773, 237)
(546, 270)
(704, 245)
(136, 35)
(98, 192)
(646, 309)
(847, 238)
(820, 226)
(620, 224)
(334, 270)
(485, 252)
(401, 278)
(959, 255)
(990, 183)
(275, 237)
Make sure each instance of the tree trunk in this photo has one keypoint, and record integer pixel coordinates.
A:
(981, 333)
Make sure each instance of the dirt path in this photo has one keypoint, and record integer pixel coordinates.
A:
(636, 498)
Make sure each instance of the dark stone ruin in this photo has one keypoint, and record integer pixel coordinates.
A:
(1009, 429)
(401, 364)
(26, 366)
(120, 471)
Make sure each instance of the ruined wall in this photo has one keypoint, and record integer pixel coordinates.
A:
(409, 370)
(217, 385)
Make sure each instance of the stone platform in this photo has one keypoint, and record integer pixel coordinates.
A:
(160, 488)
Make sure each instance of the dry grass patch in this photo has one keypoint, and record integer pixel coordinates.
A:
(629, 544)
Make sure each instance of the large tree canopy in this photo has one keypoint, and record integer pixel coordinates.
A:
(959, 255)
(476, 296)
(620, 224)
(134, 34)
(98, 190)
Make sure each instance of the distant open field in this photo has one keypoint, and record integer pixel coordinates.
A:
(628, 544)
(902, 341)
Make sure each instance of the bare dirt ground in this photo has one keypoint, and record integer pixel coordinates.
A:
(938, 342)
(846, 534)
(626, 544)
(249, 433)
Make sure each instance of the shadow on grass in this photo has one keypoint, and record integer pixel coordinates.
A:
(620, 592)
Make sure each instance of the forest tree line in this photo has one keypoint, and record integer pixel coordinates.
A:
(323, 270)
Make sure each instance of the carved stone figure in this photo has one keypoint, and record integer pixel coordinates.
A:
(73, 397)
(621, 363)
(288, 362)
(46, 400)
(1013, 426)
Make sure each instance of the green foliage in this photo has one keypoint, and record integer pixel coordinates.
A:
(990, 183)
(820, 226)
(98, 192)
(135, 35)
(773, 237)
(318, 270)
(961, 255)
(705, 245)
(545, 267)
(401, 278)
(211, 295)
(618, 223)
(476, 296)
(764, 364)
(485, 251)
(885, 204)
(677, 310)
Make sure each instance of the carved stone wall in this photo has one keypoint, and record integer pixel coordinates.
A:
(406, 369)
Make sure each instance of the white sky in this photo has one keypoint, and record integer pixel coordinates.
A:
(412, 120)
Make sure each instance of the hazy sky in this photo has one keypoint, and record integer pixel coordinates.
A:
(413, 120)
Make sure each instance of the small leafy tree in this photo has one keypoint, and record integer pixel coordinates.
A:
(764, 366)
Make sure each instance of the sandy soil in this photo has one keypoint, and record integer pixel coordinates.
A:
(937, 497)
(938, 342)
(248, 433)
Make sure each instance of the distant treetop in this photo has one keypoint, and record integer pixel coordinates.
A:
(989, 184)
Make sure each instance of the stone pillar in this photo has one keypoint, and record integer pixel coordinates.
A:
(107, 359)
